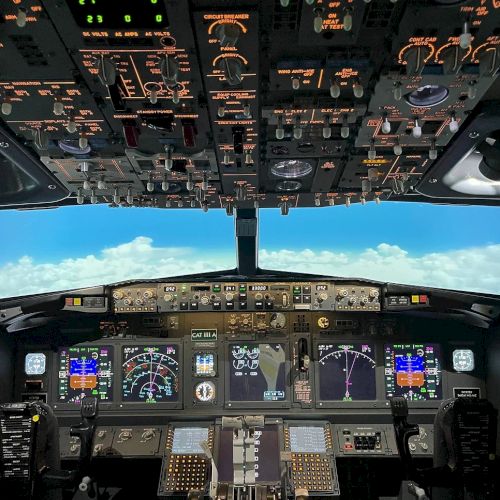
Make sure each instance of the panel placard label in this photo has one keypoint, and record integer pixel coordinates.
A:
(466, 392)
(203, 334)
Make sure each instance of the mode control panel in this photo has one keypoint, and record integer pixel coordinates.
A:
(352, 440)
(250, 296)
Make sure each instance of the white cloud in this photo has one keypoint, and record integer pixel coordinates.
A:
(474, 269)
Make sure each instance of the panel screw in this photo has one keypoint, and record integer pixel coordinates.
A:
(51, 186)
(473, 134)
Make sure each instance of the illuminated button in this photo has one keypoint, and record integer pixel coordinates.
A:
(229, 305)
(69, 301)
(297, 299)
(243, 296)
(306, 299)
(216, 288)
(423, 299)
(415, 299)
(216, 306)
(259, 304)
(243, 305)
(243, 288)
(269, 304)
(184, 306)
(306, 289)
(297, 290)
(77, 301)
(193, 306)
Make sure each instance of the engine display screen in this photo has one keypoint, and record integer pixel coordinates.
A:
(307, 439)
(267, 455)
(347, 372)
(257, 372)
(85, 371)
(204, 364)
(413, 371)
(150, 373)
(187, 440)
(119, 13)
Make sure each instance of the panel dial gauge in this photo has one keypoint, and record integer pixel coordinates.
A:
(204, 392)
(463, 360)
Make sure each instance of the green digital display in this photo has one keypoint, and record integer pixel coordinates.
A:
(119, 14)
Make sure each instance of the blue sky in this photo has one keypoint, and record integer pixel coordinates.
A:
(445, 246)
(77, 231)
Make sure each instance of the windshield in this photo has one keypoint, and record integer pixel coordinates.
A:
(441, 246)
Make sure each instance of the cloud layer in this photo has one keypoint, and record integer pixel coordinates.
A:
(473, 269)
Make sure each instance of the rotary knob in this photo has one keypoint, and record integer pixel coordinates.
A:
(229, 297)
(148, 294)
(118, 295)
(258, 296)
(168, 297)
(125, 435)
(342, 293)
(374, 293)
(352, 300)
(205, 300)
(148, 434)
(228, 34)
(322, 297)
(139, 302)
(233, 69)
(127, 301)
(363, 300)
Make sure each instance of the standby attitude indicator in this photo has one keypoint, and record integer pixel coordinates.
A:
(346, 372)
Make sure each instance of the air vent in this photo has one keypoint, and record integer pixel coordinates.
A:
(378, 14)
(301, 325)
(29, 50)
(286, 18)
(346, 324)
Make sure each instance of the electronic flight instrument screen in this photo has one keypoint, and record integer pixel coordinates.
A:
(119, 14)
(413, 371)
(187, 440)
(150, 373)
(347, 372)
(85, 371)
(307, 439)
(257, 372)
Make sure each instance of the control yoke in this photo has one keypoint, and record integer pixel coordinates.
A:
(85, 431)
(404, 431)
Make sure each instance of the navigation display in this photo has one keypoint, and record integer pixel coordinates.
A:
(346, 372)
(413, 371)
(187, 440)
(267, 455)
(307, 439)
(118, 14)
(150, 373)
(85, 371)
(257, 372)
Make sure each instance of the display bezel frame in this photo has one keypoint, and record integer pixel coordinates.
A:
(435, 401)
(329, 403)
(54, 393)
(228, 403)
(133, 405)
